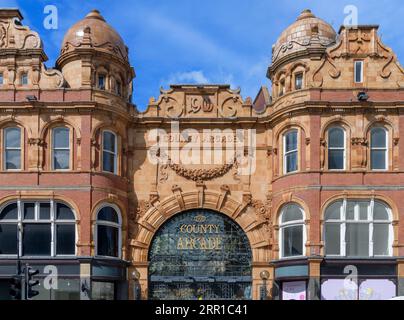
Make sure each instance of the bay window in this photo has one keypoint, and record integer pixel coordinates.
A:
(292, 233)
(61, 148)
(336, 149)
(12, 148)
(37, 228)
(109, 152)
(108, 232)
(358, 228)
(290, 152)
(379, 148)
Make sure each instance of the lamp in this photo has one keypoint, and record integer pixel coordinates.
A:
(31, 98)
(363, 96)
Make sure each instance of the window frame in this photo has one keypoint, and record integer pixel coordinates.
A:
(118, 226)
(293, 223)
(118, 87)
(344, 221)
(344, 148)
(24, 80)
(2, 78)
(53, 221)
(286, 153)
(361, 62)
(115, 153)
(5, 148)
(104, 76)
(282, 90)
(296, 76)
(385, 149)
(52, 153)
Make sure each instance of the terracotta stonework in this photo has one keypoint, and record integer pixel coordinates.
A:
(149, 194)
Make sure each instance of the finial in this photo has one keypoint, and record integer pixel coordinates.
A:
(95, 14)
(306, 14)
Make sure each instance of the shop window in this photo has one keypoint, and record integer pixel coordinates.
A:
(292, 231)
(108, 232)
(358, 71)
(294, 290)
(43, 231)
(290, 152)
(12, 148)
(103, 290)
(109, 152)
(358, 228)
(101, 81)
(368, 289)
(67, 289)
(378, 148)
(24, 78)
(61, 148)
(299, 81)
(336, 149)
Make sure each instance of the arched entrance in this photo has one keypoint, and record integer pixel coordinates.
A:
(200, 255)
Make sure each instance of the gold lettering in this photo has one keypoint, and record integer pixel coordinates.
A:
(180, 245)
(202, 242)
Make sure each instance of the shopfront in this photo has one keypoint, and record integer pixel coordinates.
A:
(200, 255)
(68, 279)
(359, 279)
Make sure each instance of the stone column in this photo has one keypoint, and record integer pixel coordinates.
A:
(313, 288)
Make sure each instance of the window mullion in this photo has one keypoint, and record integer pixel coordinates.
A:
(52, 221)
(343, 229)
(19, 227)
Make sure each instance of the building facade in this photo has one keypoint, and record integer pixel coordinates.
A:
(99, 194)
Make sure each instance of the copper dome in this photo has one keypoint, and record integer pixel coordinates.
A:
(102, 36)
(307, 31)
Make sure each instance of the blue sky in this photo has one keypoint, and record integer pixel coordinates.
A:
(197, 41)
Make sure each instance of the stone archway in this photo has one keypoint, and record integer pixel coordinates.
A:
(200, 254)
(160, 211)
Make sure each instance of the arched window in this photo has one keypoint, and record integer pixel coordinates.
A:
(12, 148)
(336, 149)
(37, 228)
(379, 148)
(290, 152)
(108, 232)
(109, 152)
(358, 228)
(292, 234)
(61, 148)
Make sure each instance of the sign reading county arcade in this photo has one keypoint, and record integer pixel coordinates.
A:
(200, 252)
(200, 236)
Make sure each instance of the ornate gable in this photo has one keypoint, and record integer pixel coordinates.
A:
(382, 69)
(13, 35)
(199, 101)
(21, 51)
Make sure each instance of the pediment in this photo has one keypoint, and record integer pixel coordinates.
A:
(199, 101)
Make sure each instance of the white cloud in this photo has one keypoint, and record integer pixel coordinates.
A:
(196, 76)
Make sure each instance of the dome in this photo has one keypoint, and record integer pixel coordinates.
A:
(101, 35)
(306, 32)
